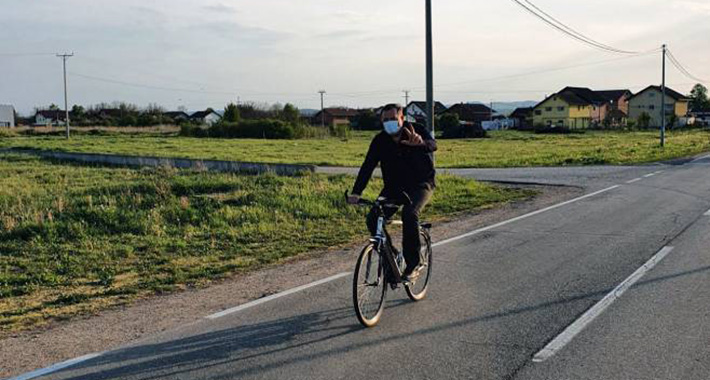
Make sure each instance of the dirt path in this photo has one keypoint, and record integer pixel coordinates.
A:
(27, 351)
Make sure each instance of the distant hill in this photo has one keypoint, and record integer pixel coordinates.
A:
(308, 112)
(506, 108)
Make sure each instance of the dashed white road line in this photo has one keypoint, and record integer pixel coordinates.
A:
(649, 175)
(56, 367)
(707, 213)
(275, 296)
(575, 328)
(634, 180)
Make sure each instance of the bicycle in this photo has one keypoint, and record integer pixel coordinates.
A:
(380, 265)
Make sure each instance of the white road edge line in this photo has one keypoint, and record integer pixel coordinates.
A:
(275, 296)
(577, 326)
(707, 213)
(56, 367)
(649, 175)
(68, 363)
(478, 231)
(700, 158)
(634, 180)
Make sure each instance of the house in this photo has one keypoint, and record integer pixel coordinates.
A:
(207, 117)
(176, 116)
(472, 113)
(336, 116)
(615, 107)
(701, 117)
(571, 107)
(50, 118)
(7, 116)
(648, 101)
(522, 118)
(416, 111)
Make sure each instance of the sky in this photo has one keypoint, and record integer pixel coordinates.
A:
(199, 54)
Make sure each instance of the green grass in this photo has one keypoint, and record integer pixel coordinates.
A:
(75, 239)
(502, 149)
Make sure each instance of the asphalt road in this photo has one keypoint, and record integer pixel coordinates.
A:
(497, 299)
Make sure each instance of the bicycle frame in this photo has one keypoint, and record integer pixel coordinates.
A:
(383, 245)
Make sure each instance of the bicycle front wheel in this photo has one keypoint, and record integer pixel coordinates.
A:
(416, 291)
(369, 286)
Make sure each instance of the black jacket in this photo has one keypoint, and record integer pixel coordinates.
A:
(403, 167)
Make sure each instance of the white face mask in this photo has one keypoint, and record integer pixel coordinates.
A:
(392, 127)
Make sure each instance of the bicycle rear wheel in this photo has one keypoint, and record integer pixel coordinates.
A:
(369, 286)
(416, 291)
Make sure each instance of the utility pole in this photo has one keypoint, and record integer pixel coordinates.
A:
(406, 97)
(322, 109)
(429, 70)
(663, 101)
(64, 58)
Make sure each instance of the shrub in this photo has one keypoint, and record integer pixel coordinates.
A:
(7, 133)
(253, 129)
(340, 130)
(544, 129)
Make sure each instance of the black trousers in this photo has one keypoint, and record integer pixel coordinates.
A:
(411, 243)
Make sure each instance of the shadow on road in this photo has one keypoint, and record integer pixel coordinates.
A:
(251, 349)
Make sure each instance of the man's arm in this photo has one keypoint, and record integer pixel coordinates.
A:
(371, 161)
(429, 141)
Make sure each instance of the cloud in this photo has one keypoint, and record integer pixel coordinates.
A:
(220, 8)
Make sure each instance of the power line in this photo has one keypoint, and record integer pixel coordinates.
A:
(177, 89)
(682, 69)
(25, 54)
(569, 31)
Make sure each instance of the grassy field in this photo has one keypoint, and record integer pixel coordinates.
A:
(502, 149)
(76, 239)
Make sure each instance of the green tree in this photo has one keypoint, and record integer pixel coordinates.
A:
(231, 113)
(450, 125)
(699, 97)
(367, 120)
(644, 120)
(291, 114)
(78, 115)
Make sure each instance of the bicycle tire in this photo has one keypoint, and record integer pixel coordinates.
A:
(362, 284)
(417, 291)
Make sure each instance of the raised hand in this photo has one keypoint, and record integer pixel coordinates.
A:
(410, 137)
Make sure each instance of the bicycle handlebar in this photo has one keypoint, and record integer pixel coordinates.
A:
(366, 202)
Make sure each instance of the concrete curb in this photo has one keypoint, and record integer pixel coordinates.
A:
(180, 163)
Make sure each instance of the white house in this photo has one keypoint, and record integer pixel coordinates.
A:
(49, 117)
(7, 116)
(416, 111)
(206, 117)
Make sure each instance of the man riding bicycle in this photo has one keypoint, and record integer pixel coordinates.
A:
(405, 152)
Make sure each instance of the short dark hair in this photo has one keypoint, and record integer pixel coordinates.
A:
(393, 106)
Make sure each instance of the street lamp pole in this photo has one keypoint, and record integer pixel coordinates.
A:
(429, 71)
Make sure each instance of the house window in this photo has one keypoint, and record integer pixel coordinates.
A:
(651, 94)
(548, 109)
(538, 112)
(560, 108)
(652, 107)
